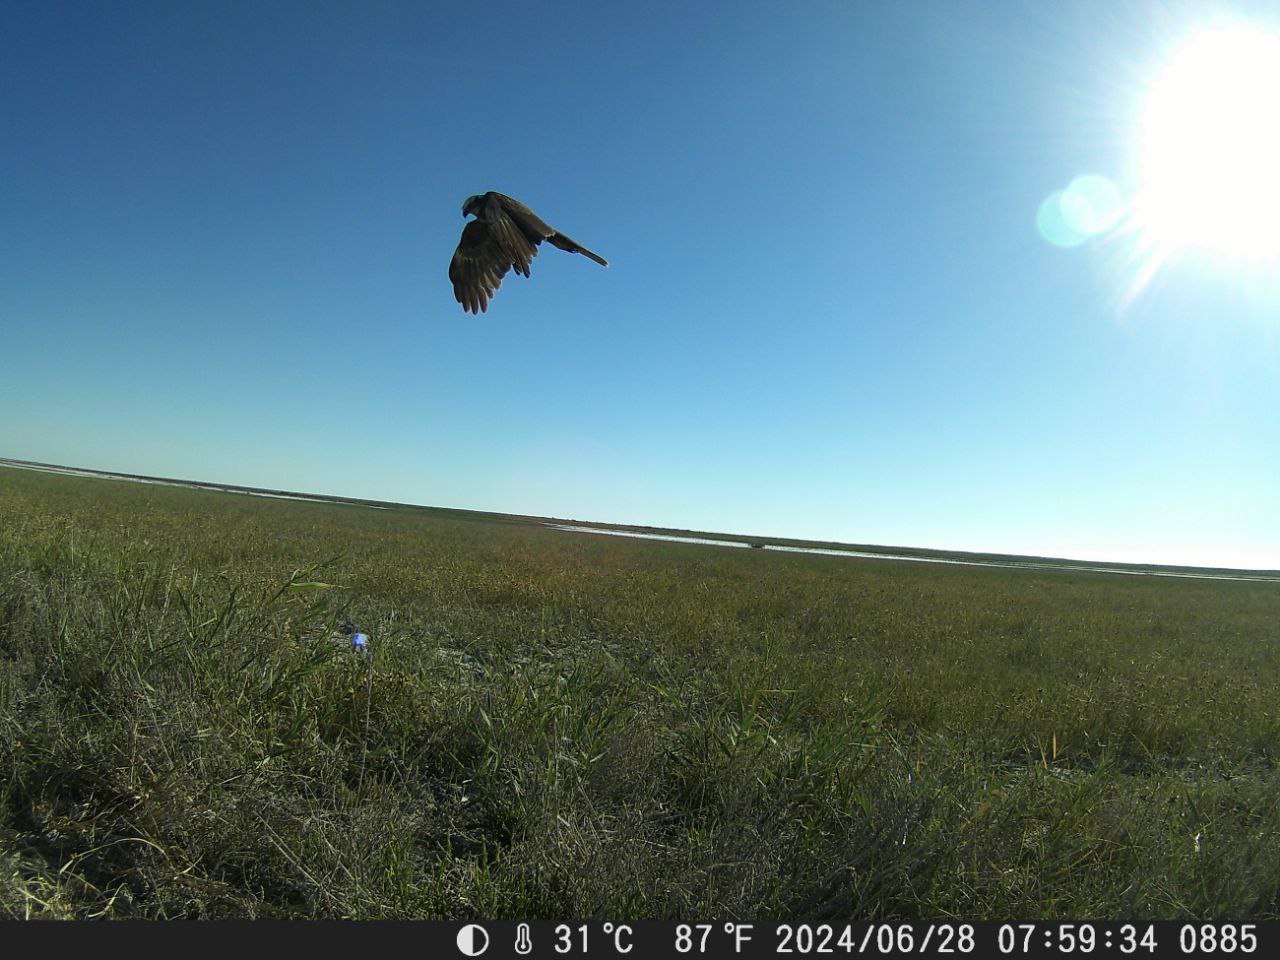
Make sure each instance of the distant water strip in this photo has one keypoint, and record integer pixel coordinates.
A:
(864, 554)
(189, 485)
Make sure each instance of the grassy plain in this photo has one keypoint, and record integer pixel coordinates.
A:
(562, 725)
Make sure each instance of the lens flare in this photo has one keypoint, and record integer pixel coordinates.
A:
(1096, 204)
(1090, 206)
(1055, 223)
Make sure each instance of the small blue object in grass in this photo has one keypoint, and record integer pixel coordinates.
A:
(359, 643)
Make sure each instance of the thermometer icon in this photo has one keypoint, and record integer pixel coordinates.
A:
(524, 943)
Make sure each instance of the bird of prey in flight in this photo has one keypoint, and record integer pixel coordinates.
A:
(504, 234)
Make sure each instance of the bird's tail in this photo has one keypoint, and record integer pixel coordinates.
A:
(566, 243)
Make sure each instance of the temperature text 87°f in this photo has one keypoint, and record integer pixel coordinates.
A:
(692, 938)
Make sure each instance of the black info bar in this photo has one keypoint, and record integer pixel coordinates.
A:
(633, 939)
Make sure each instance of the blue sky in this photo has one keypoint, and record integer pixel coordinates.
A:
(225, 230)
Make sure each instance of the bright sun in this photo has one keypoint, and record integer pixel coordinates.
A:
(1210, 149)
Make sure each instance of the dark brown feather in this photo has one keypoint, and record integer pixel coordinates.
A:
(565, 243)
(477, 267)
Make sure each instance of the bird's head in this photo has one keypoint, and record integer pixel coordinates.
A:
(472, 205)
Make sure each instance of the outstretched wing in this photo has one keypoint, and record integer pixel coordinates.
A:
(534, 227)
(512, 230)
(483, 257)
(513, 209)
